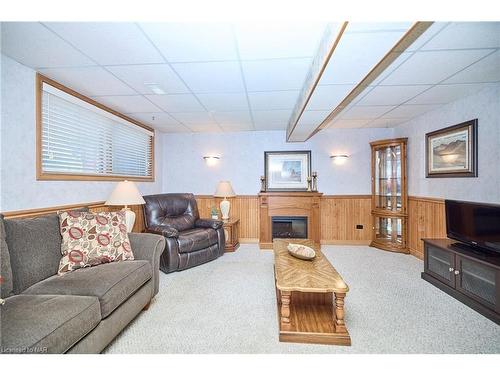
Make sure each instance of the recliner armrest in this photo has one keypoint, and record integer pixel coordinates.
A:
(208, 223)
(165, 230)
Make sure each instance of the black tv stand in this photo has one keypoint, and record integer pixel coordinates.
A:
(466, 273)
(470, 248)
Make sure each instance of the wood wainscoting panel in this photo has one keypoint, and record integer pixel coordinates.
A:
(339, 216)
(243, 207)
(426, 219)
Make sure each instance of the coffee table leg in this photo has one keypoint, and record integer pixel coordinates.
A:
(339, 313)
(285, 307)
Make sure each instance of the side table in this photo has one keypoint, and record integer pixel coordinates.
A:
(231, 227)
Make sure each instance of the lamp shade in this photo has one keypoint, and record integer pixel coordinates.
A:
(224, 190)
(125, 193)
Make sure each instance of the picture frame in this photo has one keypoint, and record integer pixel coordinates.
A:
(452, 151)
(287, 170)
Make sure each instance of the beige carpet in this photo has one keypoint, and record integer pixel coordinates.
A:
(228, 306)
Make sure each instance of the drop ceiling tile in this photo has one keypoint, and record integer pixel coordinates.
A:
(109, 43)
(400, 59)
(236, 128)
(410, 110)
(270, 100)
(270, 126)
(194, 118)
(327, 97)
(33, 45)
(179, 128)
(465, 35)
(341, 123)
(442, 94)
(233, 118)
(155, 119)
(127, 103)
(177, 103)
(428, 34)
(224, 101)
(432, 67)
(136, 76)
(312, 118)
(365, 112)
(258, 40)
(211, 76)
(271, 119)
(90, 81)
(181, 42)
(386, 122)
(391, 95)
(280, 74)
(356, 54)
(486, 70)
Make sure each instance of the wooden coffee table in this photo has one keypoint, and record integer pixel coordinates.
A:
(310, 297)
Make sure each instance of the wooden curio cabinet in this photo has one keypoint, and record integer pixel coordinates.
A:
(389, 195)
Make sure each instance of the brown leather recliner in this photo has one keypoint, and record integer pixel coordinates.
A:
(190, 241)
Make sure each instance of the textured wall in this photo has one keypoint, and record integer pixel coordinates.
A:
(485, 106)
(242, 159)
(19, 187)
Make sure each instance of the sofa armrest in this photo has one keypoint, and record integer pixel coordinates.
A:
(164, 230)
(208, 223)
(146, 246)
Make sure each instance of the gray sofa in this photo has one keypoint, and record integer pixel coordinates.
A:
(79, 312)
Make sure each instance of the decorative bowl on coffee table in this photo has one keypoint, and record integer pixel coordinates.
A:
(301, 251)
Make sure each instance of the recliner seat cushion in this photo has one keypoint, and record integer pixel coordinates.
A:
(48, 323)
(111, 283)
(196, 239)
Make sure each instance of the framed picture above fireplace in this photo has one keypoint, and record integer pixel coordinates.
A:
(287, 170)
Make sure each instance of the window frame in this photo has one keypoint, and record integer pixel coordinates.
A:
(52, 176)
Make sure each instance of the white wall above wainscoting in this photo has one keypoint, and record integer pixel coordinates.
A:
(485, 106)
(242, 159)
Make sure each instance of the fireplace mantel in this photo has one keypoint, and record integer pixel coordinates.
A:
(285, 203)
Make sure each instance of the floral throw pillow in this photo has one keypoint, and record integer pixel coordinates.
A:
(89, 239)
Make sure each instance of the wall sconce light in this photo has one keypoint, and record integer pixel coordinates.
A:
(339, 159)
(211, 160)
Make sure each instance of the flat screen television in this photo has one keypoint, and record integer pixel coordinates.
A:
(475, 224)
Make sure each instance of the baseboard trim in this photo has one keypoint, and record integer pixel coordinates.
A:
(249, 240)
(346, 242)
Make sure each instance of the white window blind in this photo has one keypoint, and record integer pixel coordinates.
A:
(80, 138)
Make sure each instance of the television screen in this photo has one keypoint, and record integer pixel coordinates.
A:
(477, 224)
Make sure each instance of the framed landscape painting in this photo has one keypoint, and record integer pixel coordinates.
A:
(452, 151)
(287, 170)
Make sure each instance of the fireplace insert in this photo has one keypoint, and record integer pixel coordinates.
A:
(289, 226)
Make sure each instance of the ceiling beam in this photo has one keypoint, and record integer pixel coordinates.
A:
(417, 29)
(325, 51)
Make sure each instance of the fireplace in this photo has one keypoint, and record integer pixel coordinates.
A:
(289, 226)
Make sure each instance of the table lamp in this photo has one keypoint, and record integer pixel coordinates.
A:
(124, 194)
(224, 190)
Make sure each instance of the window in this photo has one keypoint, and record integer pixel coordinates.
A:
(80, 139)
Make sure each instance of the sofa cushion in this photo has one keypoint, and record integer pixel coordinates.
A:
(111, 283)
(89, 239)
(196, 239)
(5, 269)
(34, 248)
(47, 324)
